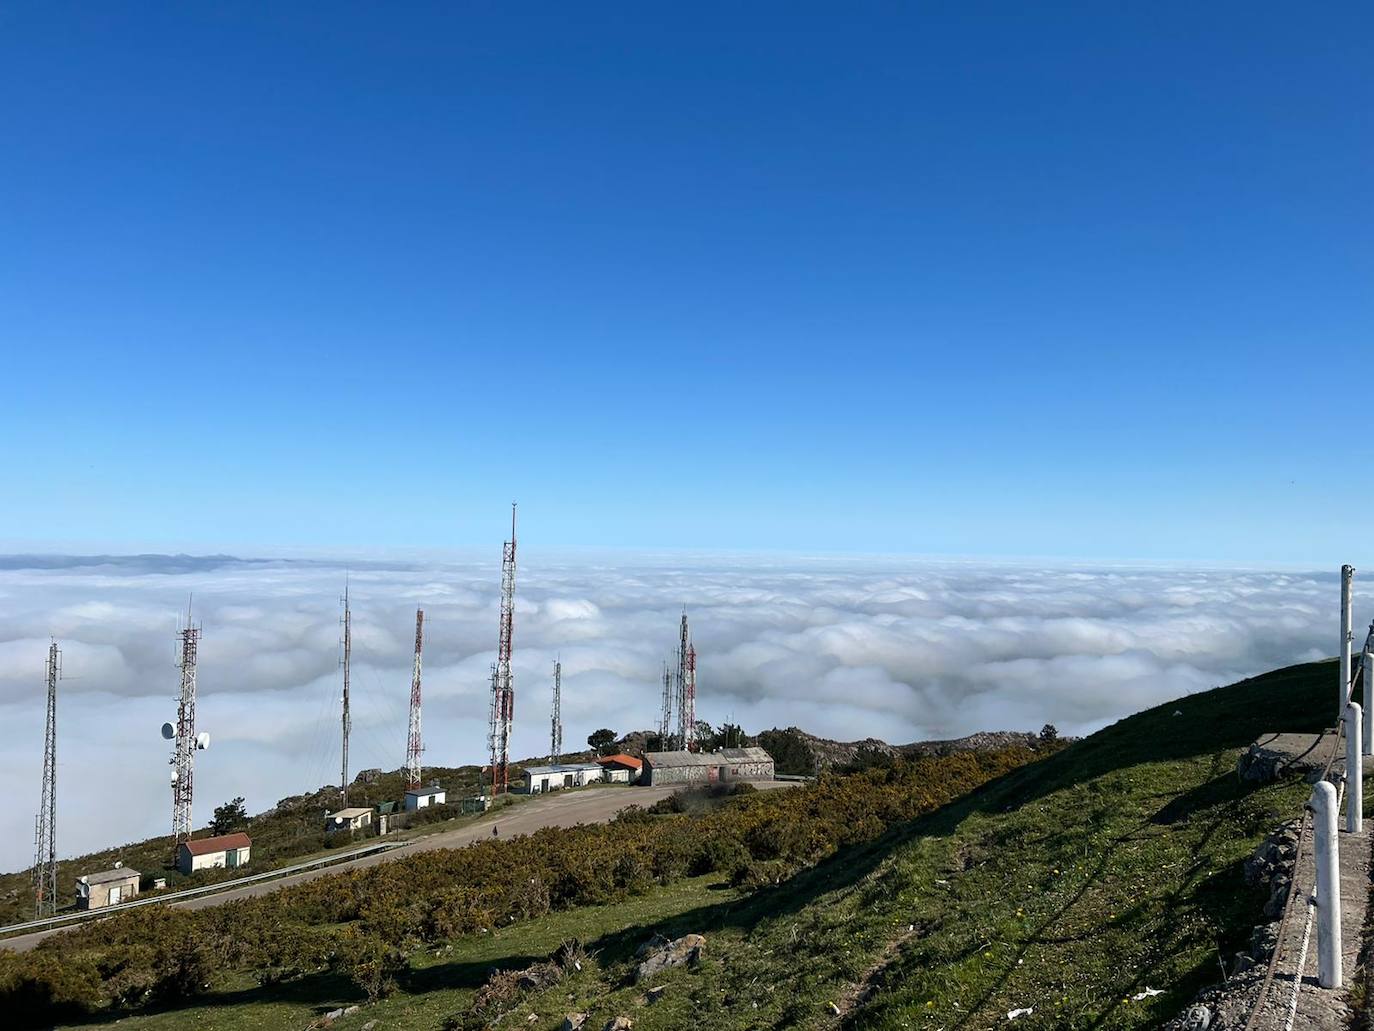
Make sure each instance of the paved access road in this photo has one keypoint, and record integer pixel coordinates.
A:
(556, 809)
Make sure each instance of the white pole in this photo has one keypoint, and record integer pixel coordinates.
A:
(1347, 576)
(1324, 839)
(1367, 660)
(1354, 770)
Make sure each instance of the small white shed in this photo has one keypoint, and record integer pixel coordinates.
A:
(423, 798)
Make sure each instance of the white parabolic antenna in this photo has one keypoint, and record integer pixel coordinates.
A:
(202, 740)
(174, 775)
(168, 731)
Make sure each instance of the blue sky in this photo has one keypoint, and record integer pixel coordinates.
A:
(973, 280)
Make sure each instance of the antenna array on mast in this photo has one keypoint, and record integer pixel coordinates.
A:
(556, 729)
(502, 685)
(45, 830)
(184, 753)
(686, 684)
(413, 745)
(347, 721)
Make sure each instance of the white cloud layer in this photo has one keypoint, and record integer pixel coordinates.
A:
(899, 649)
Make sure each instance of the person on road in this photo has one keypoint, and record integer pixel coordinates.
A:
(494, 832)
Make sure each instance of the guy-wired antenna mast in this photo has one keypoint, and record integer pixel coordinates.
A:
(413, 746)
(556, 734)
(45, 836)
(187, 741)
(665, 720)
(686, 687)
(502, 686)
(347, 721)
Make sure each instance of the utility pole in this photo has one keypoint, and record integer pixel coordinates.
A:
(184, 756)
(502, 684)
(45, 836)
(347, 722)
(556, 735)
(413, 745)
(1347, 578)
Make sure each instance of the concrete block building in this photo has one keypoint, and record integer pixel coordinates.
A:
(729, 765)
(227, 851)
(107, 888)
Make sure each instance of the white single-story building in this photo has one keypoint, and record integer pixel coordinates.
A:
(107, 888)
(226, 851)
(620, 768)
(539, 779)
(351, 819)
(423, 798)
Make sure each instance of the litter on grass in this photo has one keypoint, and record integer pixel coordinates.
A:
(1013, 1014)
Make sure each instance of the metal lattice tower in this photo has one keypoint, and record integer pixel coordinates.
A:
(45, 831)
(184, 754)
(347, 720)
(686, 686)
(413, 745)
(502, 684)
(665, 720)
(556, 728)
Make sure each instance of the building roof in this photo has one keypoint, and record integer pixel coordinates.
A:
(659, 760)
(424, 791)
(207, 846)
(122, 873)
(351, 813)
(621, 759)
(544, 771)
(752, 754)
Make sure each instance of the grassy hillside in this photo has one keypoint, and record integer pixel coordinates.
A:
(1069, 885)
(290, 831)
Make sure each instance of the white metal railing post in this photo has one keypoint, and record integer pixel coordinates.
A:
(1347, 590)
(1354, 770)
(1367, 662)
(1325, 843)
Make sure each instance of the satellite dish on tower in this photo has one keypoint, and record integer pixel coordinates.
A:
(203, 740)
(168, 731)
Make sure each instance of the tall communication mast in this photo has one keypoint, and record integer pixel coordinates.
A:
(502, 685)
(556, 730)
(665, 720)
(413, 745)
(45, 836)
(347, 721)
(184, 755)
(686, 686)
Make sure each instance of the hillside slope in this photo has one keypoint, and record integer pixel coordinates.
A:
(1069, 889)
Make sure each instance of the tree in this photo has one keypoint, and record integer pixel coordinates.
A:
(230, 816)
(731, 735)
(601, 740)
(703, 735)
(1049, 734)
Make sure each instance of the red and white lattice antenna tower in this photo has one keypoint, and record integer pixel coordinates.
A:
(556, 726)
(502, 684)
(689, 699)
(665, 720)
(45, 832)
(413, 745)
(186, 742)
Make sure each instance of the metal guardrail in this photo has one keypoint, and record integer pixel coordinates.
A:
(171, 898)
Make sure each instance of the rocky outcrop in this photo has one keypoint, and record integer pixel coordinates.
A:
(658, 954)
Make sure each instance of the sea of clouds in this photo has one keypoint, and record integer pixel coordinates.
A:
(844, 648)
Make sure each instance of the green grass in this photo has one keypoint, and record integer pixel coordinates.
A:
(442, 981)
(1069, 886)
